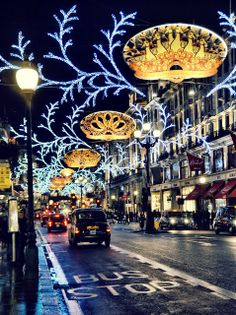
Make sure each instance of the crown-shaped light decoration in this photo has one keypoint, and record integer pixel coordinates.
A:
(57, 183)
(175, 52)
(108, 126)
(82, 158)
(67, 172)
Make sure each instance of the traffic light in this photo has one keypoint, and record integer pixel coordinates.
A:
(73, 200)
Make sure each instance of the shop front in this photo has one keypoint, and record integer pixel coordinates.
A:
(210, 194)
(167, 198)
(156, 200)
(189, 204)
(225, 195)
(197, 197)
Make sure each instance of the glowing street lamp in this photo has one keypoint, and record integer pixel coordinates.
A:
(81, 181)
(27, 80)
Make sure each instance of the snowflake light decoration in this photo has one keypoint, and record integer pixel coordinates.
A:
(230, 81)
(107, 79)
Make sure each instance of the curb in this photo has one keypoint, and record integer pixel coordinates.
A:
(47, 292)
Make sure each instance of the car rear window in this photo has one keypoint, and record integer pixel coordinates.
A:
(57, 218)
(91, 215)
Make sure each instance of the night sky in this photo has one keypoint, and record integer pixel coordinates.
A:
(35, 19)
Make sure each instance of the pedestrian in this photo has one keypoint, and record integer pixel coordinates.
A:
(141, 220)
(21, 237)
(4, 229)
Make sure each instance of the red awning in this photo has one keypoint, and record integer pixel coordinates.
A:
(213, 189)
(222, 194)
(196, 193)
(233, 193)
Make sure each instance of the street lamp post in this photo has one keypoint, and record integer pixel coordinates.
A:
(82, 182)
(147, 141)
(135, 203)
(27, 80)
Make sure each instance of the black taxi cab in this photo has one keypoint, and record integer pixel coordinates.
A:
(89, 225)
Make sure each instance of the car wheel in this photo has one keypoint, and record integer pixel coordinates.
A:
(49, 230)
(217, 231)
(107, 243)
(99, 243)
(231, 230)
(41, 224)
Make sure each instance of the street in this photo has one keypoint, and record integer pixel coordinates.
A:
(174, 272)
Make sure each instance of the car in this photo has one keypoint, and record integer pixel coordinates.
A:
(176, 220)
(225, 220)
(44, 220)
(89, 225)
(57, 222)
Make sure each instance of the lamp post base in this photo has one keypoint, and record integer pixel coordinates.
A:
(150, 224)
(31, 258)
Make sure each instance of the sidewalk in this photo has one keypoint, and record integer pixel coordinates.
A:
(18, 297)
(133, 227)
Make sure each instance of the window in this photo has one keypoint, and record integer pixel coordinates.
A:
(218, 160)
(231, 156)
(226, 121)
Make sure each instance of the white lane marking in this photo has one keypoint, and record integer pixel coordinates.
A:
(223, 293)
(201, 243)
(72, 306)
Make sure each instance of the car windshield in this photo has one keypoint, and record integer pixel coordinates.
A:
(98, 216)
(226, 211)
(177, 214)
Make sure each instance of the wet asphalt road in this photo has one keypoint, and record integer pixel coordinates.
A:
(182, 272)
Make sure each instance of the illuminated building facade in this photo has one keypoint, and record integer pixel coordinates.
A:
(174, 186)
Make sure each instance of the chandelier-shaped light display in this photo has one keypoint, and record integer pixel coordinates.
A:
(175, 52)
(67, 172)
(108, 126)
(57, 183)
(82, 158)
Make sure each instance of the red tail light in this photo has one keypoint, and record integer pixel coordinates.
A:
(108, 229)
(50, 223)
(65, 222)
(77, 231)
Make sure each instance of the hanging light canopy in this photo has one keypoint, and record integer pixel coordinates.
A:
(108, 126)
(67, 172)
(57, 183)
(82, 158)
(175, 52)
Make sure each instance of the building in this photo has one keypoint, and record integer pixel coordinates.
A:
(174, 186)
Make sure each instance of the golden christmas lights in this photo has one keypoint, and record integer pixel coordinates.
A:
(82, 158)
(175, 52)
(66, 172)
(57, 183)
(108, 126)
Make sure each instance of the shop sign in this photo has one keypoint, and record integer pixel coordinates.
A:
(230, 175)
(13, 225)
(5, 176)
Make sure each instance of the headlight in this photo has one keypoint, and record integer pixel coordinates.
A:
(172, 221)
(186, 221)
(234, 222)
